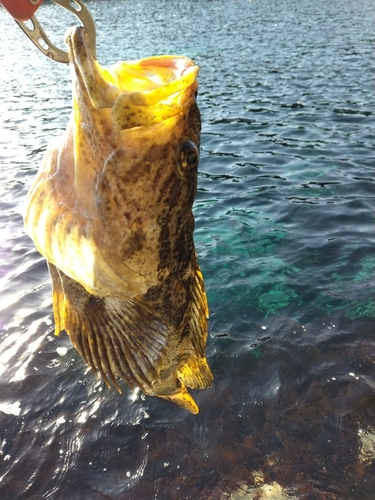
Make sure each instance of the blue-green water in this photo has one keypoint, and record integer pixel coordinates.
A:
(285, 239)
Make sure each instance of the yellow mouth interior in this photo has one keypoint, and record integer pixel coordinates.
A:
(140, 93)
(148, 93)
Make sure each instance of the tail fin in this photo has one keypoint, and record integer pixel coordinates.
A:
(184, 400)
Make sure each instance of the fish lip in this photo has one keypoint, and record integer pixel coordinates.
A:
(140, 92)
(84, 69)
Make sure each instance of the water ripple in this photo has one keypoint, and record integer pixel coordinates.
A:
(284, 234)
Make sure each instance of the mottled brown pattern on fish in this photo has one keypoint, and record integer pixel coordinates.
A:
(111, 210)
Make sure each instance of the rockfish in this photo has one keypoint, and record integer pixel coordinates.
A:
(111, 211)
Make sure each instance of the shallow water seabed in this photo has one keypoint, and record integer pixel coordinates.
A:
(284, 234)
(282, 410)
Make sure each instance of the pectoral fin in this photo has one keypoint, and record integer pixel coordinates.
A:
(115, 338)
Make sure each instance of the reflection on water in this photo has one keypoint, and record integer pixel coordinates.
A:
(284, 233)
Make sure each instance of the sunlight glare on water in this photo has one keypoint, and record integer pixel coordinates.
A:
(284, 236)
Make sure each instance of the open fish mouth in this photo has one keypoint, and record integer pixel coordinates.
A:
(139, 93)
(111, 211)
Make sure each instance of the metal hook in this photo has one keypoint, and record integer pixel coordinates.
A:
(38, 36)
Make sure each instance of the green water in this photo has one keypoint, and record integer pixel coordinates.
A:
(285, 239)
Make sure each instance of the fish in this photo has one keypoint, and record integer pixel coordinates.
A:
(110, 209)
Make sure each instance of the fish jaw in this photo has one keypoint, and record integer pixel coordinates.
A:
(139, 93)
(111, 210)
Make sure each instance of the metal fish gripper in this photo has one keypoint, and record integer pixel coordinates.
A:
(24, 11)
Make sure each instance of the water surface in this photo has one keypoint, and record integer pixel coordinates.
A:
(284, 234)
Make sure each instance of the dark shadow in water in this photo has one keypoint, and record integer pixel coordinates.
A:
(294, 411)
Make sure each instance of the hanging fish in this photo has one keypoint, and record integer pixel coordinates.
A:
(111, 211)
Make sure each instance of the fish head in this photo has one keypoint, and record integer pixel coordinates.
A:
(137, 138)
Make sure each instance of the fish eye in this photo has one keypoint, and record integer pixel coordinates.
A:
(187, 157)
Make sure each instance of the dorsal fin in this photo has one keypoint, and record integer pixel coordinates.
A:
(199, 314)
(195, 373)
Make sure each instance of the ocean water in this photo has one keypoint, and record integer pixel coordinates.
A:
(285, 239)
